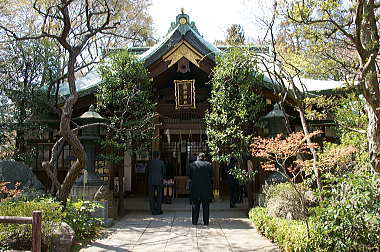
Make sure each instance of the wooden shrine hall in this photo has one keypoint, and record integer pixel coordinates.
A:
(179, 66)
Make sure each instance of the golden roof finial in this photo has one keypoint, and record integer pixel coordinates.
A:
(182, 10)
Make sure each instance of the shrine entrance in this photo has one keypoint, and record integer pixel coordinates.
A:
(180, 67)
(180, 147)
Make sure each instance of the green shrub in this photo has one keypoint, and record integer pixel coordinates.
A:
(348, 219)
(78, 215)
(29, 194)
(283, 201)
(290, 235)
(19, 236)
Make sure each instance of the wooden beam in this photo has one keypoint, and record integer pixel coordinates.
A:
(182, 126)
(15, 220)
(157, 68)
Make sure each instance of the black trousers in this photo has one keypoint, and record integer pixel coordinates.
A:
(155, 198)
(195, 211)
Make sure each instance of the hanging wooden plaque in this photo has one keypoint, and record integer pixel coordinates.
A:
(184, 94)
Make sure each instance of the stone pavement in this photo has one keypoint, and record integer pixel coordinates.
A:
(173, 231)
(179, 204)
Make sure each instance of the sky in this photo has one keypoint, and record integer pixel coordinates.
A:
(212, 17)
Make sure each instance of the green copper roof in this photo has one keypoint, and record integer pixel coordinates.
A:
(183, 24)
(156, 47)
(181, 29)
(184, 29)
(85, 85)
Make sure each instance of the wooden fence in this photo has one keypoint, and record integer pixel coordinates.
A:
(36, 227)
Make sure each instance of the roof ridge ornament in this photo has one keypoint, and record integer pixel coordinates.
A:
(183, 24)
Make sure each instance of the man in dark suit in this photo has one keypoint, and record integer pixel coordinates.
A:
(201, 190)
(155, 172)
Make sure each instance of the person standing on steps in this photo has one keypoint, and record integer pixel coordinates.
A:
(155, 172)
(192, 159)
(201, 191)
(168, 181)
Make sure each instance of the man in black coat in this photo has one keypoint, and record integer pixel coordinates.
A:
(155, 171)
(201, 190)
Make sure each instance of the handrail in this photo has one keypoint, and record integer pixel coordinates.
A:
(36, 227)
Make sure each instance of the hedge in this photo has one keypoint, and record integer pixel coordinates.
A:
(289, 235)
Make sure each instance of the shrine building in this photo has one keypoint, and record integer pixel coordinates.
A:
(180, 66)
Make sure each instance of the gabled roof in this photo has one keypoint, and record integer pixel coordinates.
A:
(185, 30)
(183, 33)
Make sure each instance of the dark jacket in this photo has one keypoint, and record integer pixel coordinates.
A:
(155, 171)
(201, 176)
(169, 174)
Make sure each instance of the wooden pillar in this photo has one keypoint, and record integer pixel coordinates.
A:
(156, 141)
(216, 180)
(36, 231)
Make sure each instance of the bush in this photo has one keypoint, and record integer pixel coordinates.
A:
(290, 235)
(78, 215)
(348, 219)
(6, 193)
(29, 194)
(283, 201)
(19, 236)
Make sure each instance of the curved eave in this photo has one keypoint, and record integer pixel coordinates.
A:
(172, 39)
(84, 84)
(150, 53)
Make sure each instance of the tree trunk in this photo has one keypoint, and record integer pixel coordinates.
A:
(20, 144)
(374, 138)
(67, 133)
(312, 149)
(305, 128)
(366, 25)
(20, 134)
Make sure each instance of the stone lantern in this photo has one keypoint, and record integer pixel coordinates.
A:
(274, 122)
(87, 184)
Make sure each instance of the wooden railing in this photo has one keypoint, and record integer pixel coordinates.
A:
(36, 227)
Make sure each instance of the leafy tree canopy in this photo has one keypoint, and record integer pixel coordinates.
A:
(79, 29)
(125, 97)
(317, 49)
(347, 33)
(28, 67)
(235, 36)
(234, 104)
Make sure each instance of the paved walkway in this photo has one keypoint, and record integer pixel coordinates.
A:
(179, 204)
(173, 231)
